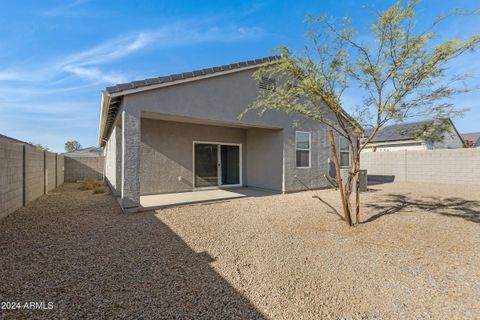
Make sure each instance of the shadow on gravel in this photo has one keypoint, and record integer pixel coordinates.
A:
(332, 209)
(451, 207)
(80, 252)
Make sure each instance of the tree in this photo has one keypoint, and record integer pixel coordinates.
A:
(73, 145)
(401, 75)
(39, 146)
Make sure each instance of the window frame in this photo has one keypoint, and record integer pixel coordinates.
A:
(344, 151)
(304, 149)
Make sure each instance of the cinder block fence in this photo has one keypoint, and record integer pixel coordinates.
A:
(456, 166)
(26, 173)
(82, 168)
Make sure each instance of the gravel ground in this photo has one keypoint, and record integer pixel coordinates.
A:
(283, 257)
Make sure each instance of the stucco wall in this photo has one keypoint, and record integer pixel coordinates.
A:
(450, 140)
(11, 177)
(167, 153)
(110, 153)
(307, 178)
(265, 158)
(398, 147)
(459, 166)
(222, 99)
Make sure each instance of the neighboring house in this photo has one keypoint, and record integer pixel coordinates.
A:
(85, 152)
(472, 139)
(182, 133)
(403, 136)
(84, 164)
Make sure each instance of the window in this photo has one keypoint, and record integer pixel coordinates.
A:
(344, 149)
(302, 144)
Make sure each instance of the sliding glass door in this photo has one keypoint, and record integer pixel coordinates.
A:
(217, 164)
(206, 165)
(230, 163)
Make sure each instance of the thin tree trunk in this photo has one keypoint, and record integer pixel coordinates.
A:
(357, 183)
(346, 211)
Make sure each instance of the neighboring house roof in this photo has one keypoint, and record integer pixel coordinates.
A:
(10, 139)
(474, 137)
(397, 132)
(188, 75)
(85, 152)
(402, 131)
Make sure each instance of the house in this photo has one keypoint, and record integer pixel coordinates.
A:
(84, 164)
(85, 152)
(472, 139)
(404, 136)
(182, 133)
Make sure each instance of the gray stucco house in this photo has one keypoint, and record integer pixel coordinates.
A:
(181, 133)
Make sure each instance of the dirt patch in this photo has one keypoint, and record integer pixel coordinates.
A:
(288, 256)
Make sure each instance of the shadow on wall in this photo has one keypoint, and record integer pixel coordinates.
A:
(83, 168)
(449, 207)
(136, 265)
(374, 179)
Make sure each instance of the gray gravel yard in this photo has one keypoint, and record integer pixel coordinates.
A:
(279, 257)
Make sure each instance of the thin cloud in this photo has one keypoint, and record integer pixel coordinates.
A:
(33, 93)
(95, 74)
(64, 9)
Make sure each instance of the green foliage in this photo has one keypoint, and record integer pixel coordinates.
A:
(401, 73)
(72, 146)
(40, 146)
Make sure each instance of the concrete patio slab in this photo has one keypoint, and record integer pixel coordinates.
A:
(173, 199)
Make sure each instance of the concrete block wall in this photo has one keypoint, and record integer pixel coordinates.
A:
(385, 164)
(456, 166)
(50, 171)
(83, 168)
(26, 173)
(11, 177)
(60, 169)
(35, 173)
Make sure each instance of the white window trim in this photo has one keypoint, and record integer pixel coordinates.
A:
(349, 153)
(219, 164)
(304, 149)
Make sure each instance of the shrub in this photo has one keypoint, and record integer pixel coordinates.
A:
(99, 189)
(90, 184)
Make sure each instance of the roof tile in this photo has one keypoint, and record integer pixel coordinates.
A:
(151, 81)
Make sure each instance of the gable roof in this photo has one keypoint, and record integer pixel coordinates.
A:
(397, 132)
(472, 136)
(189, 75)
(404, 131)
(111, 97)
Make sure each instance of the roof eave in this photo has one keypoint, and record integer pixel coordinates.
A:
(180, 81)
(104, 106)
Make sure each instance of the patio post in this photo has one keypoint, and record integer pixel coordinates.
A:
(130, 159)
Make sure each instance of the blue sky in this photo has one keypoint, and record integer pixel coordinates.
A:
(56, 56)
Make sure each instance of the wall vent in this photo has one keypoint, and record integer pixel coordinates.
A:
(267, 84)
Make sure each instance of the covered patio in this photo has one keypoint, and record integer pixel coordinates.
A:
(158, 201)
